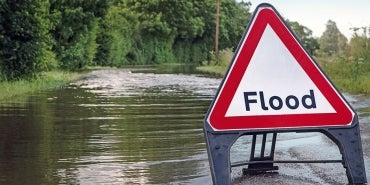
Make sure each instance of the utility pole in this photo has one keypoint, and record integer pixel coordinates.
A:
(217, 28)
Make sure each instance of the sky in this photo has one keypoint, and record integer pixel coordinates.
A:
(314, 14)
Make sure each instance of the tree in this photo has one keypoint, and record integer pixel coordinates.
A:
(332, 40)
(305, 36)
(359, 43)
(163, 24)
(234, 19)
(359, 50)
(76, 31)
(234, 16)
(162, 31)
(24, 38)
(115, 37)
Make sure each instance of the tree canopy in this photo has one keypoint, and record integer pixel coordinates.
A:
(25, 41)
(305, 36)
(41, 35)
(332, 40)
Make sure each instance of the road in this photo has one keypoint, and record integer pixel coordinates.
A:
(306, 146)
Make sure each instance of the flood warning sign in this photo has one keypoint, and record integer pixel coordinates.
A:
(273, 82)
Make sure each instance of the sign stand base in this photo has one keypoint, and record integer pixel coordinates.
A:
(218, 146)
(263, 162)
(219, 143)
(350, 146)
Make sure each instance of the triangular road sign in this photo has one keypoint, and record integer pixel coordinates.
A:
(273, 82)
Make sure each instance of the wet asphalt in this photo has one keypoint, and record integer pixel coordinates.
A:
(308, 146)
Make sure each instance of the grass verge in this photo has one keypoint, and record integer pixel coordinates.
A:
(48, 80)
(217, 68)
(348, 76)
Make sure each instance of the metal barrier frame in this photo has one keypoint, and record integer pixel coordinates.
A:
(219, 143)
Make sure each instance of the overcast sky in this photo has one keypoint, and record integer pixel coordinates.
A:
(314, 14)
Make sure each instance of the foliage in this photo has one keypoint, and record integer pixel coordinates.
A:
(76, 31)
(234, 19)
(39, 35)
(347, 75)
(359, 45)
(24, 39)
(332, 41)
(217, 68)
(165, 31)
(346, 63)
(114, 38)
(42, 35)
(305, 36)
(46, 80)
(161, 24)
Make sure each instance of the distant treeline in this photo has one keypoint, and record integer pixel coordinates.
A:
(41, 35)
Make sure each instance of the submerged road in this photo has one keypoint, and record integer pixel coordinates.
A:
(122, 126)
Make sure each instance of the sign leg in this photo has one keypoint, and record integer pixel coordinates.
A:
(218, 146)
(349, 143)
(258, 163)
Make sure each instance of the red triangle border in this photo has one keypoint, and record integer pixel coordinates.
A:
(216, 117)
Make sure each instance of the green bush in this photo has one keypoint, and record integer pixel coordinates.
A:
(76, 31)
(24, 39)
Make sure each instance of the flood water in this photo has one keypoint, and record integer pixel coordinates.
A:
(116, 126)
(112, 127)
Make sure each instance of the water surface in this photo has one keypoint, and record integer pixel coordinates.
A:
(112, 127)
(137, 126)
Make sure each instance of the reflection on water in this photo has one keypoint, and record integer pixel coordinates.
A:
(112, 127)
(121, 127)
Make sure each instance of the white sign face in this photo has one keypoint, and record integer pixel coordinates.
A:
(274, 83)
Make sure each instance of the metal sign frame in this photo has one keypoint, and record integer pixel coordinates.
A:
(345, 136)
(347, 139)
